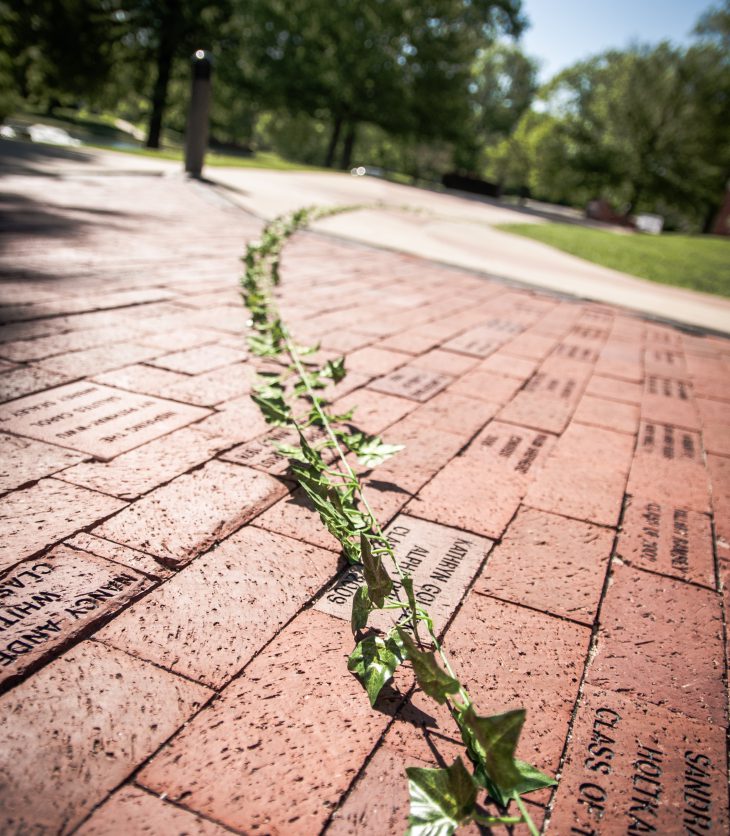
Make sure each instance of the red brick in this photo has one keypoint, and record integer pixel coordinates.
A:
(95, 419)
(248, 587)
(480, 490)
(534, 346)
(585, 476)
(665, 360)
(549, 563)
(634, 768)
(715, 426)
(576, 350)
(374, 411)
(719, 468)
(49, 601)
(445, 362)
(96, 714)
(131, 810)
(295, 516)
(549, 398)
(667, 539)
(267, 730)
(441, 560)
(214, 387)
(455, 413)
(181, 519)
(621, 359)
(426, 451)
(616, 390)
(705, 387)
(46, 513)
(140, 378)
(27, 380)
(201, 359)
(375, 361)
(660, 641)
(100, 359)
(412, 382)
(180, 339)
(414, 340)
(482, 340)
(123, 555)
(487, 386)
(507, 657)
(345, 341)
(611, 415)
(506, 364)
(25, 461)
(138, 471)
(24, 350)
(236, 421)
(668, 466)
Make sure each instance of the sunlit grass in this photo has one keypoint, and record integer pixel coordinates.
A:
(697, 262)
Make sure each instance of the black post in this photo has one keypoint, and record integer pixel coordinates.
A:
(196, 135)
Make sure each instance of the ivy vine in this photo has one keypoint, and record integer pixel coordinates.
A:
(289, 393)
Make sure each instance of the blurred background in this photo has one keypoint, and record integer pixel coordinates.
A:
(622, 109)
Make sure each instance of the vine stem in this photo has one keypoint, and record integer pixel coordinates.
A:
(525, 815)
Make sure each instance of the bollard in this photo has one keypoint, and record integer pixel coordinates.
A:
(196, 135)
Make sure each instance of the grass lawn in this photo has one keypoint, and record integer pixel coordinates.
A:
(697, 262)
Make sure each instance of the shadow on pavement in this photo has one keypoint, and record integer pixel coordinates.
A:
(29, 158)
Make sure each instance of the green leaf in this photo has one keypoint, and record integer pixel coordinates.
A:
(491, 743)
(431, 679)
(441, 799)
(335, 369)
(374, 661)
(531, 779)
(270, 400)
(361, 609)
(263, 345)
(376, 577)
(407, 582)
(370, 449)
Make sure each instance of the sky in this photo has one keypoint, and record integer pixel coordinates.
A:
(565, 31)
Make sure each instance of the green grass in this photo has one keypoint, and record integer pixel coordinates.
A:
(697, 262)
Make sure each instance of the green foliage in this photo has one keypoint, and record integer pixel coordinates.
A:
(440, 799)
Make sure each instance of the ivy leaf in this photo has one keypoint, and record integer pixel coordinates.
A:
(374, 661)
(288, 451)
(407, 582)
(441, 799)
(376, 577)
(263, 345)
(531, 779)
(335, 369)
(370, 449)
(431, 679)
(361, 609)
(270, 400)
(491, 743)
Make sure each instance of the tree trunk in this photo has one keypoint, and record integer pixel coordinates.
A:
(348, 146)
(329, 160)
(169, 28)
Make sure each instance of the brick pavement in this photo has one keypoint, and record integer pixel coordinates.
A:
(173, 619)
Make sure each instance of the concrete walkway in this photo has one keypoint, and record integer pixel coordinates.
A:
(174, 621)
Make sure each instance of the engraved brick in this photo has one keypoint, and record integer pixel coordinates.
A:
(46, 602)
(132, 810)
(119, 554)
(660, 641)
(412, 382)
(482, 340)
(550, 397)
(181, 519)
(549, 563)
(611, 415)
(95, 419)
(616, 390)
(441, 560)
(632, 767)
(96, 714)
(668, 466)
(669, 400)
(667, 360)
(37, 517)
(248, 588)
(667, 538)
(26, 461)
(585, 476)
(273, 723)
(480, 490)
(203, 358)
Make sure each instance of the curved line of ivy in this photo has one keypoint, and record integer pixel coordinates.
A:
(290, 394)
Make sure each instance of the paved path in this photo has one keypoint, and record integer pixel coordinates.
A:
(173, 650)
